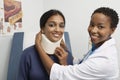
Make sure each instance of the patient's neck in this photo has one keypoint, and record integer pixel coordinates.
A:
(48, 45)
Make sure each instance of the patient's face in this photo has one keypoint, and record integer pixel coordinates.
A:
(54, 28)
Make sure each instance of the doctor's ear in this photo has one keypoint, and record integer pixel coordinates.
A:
(113, 29)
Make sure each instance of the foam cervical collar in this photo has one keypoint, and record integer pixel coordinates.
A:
(49, 46)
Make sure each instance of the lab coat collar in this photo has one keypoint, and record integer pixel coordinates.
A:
(106, 44)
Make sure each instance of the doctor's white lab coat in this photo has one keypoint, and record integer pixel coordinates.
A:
(101, 65)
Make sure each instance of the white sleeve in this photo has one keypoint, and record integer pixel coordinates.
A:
(88, 70)
(76, 60)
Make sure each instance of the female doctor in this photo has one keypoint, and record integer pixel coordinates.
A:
(100, 63)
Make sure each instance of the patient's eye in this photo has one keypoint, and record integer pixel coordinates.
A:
(54, 24)
(62, 25)
(51, 24)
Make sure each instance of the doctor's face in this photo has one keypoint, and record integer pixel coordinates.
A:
(99, 28)
(54, 28)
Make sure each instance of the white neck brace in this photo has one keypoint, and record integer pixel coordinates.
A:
(49, 46)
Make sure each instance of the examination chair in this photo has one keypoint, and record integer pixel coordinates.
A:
(16, 51)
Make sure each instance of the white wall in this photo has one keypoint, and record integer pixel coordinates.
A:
(32, 11)
(77, 13)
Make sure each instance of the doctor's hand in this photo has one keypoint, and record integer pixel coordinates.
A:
(38, 39)
(62, 55)
(63, 45)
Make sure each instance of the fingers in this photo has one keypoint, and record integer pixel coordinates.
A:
(62, 44)
(39, 35)
(58, 55)
(38, 39)
(61, 53)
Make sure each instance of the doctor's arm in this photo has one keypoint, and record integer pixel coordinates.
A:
(46, 60)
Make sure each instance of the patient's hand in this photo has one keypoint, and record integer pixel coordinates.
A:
(62, 55)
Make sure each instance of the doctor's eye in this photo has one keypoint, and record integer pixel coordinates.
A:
(100, 27)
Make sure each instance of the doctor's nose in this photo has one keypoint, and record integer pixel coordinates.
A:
(94, 30)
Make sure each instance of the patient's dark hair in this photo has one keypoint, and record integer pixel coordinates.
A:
(47, 15)
(112, 14)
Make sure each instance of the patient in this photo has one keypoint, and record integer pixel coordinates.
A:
(52, 24)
